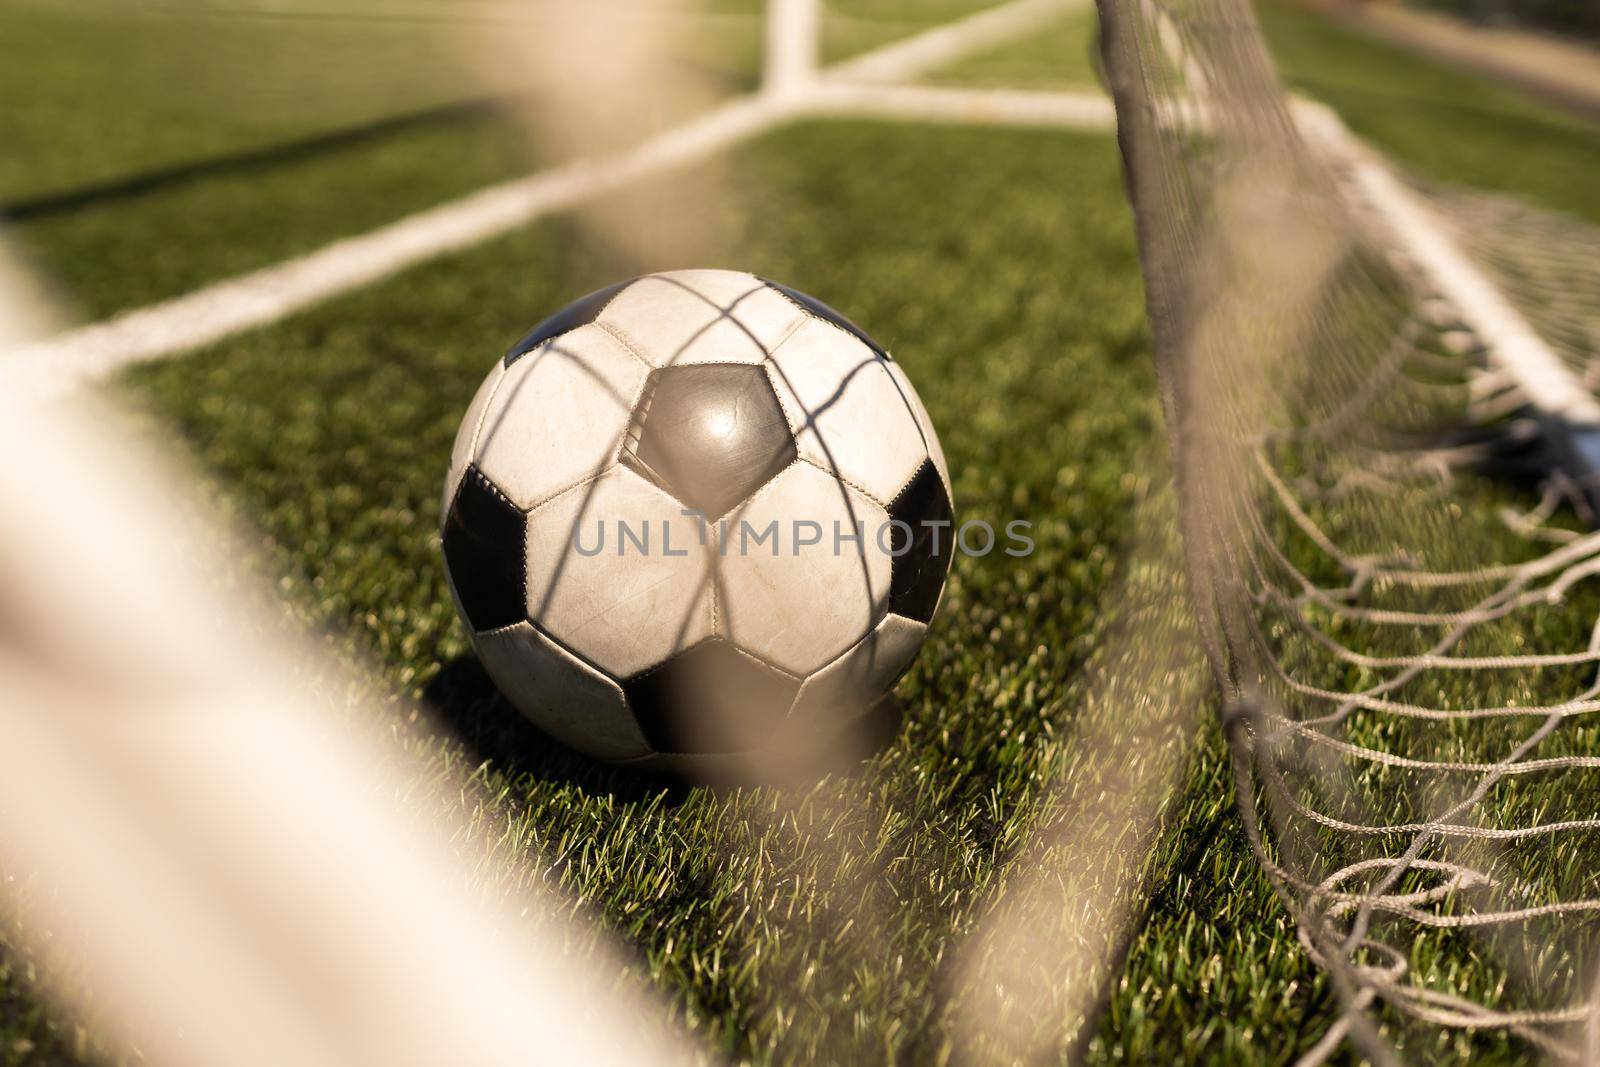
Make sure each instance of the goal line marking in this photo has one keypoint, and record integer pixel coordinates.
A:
(60, 363)
(1513, 346)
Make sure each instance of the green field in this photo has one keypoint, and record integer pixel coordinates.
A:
(1063, 56)
(128, 184)
(1443, 124)
(829, 922)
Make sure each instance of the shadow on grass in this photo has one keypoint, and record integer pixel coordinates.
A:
(463, 699)
(245, 162)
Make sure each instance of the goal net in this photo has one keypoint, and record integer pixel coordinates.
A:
(1380, 399)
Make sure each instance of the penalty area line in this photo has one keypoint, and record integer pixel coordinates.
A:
(1513, 346)
(210, 314)
(58, 364)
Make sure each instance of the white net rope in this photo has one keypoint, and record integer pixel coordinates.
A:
(1548, 263)
(1389, 557)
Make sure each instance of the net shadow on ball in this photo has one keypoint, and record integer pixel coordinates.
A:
(666, 459)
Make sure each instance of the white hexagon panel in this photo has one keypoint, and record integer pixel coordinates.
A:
(617, 573)
(701, 316)
(559, 415)
(848, 413)
(818, 580)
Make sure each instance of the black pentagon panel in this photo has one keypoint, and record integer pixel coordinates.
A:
(823, 311)
(580, 312)
(485, 548)
(710, 698)
(710, 434)
(923, 552)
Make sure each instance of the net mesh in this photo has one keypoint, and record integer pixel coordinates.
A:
(1387, 546)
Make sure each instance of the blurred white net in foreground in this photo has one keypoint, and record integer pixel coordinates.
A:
(211, 841)
(1407, 648)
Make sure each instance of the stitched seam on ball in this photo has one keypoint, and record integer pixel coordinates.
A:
(494, 490)
(880, 602)
(774, 383)
(633, 418)
(596, 476)
(527, 531)
(809, 425)
(747, 654)
(483, 480)
(849, 650)
(566, 649)
(507, 628)
(477, 431)
(881, 357)
(807, 312)
(713, 583)
(761, 284)
(863, 490)
(737, 511)
(900, 492)
(911, 411)
(624, 340)
(634, 347)
(793, 328)
(659, 667)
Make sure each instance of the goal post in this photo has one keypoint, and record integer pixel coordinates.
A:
(793, 45)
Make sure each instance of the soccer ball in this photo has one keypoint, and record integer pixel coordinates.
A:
(696, 514)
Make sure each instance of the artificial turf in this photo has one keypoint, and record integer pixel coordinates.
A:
(331, 432)
(1064, 55)
(1215, 960)
(98, 91)
(850, 27)
(136, 181)
(828, 922)
(1441, 123)
(128, 183)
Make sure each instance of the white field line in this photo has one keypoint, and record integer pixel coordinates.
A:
(1513, 346)
(60, 363)
(1003, 107)
(917, 55)
(228, 307)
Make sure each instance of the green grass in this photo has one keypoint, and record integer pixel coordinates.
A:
(257, 192)
(1215, 961)
(820, 923)
(1062, 56)
(1443, 124)
(338, 123)
(850, 27)
(97, 91)
(332, 430)
(123, 252)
